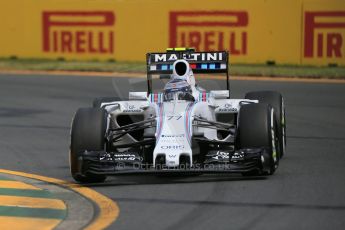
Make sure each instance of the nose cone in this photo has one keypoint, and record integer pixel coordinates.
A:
(174, 133)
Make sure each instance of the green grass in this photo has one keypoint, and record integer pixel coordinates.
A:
(49, 65)
(140, 67)
(288, 71)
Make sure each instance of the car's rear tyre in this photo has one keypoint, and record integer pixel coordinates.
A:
(97, 102)
(88, 133)
(256, 129)
(276, 100)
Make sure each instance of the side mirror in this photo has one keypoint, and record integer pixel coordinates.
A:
(139, 96)
(220, 94)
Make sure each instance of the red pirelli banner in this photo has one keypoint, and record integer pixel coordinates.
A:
(209, 30)
(59, 33)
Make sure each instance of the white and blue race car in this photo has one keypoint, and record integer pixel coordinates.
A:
(181, 128)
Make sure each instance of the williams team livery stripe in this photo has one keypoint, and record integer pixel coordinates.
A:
(156, 97)
(188, 122)
(203, 96)
(160, 120)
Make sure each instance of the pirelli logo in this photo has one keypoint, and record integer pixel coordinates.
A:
(324, 33)
(78, 32)
(210, 30)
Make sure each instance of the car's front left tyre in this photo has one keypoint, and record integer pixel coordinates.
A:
(87, 133)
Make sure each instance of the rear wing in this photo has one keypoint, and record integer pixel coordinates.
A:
(200, 62)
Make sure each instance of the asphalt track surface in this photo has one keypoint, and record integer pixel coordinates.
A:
(307, 191)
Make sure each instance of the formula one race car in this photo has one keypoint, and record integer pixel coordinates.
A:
(181, 128)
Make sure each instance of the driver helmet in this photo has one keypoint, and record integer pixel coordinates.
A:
(177, 89)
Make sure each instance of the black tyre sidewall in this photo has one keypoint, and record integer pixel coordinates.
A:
(255, 130)
(87, 133)
(276, 100)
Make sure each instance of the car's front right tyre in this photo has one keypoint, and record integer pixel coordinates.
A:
(274, 99)
(257, 129)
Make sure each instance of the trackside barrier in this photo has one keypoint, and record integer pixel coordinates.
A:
(308, 32)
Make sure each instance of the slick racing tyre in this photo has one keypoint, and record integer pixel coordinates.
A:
(97, 102)
(256, 129)
(88, 133)
(276, 100)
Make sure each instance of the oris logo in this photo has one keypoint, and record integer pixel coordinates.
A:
(173, 147)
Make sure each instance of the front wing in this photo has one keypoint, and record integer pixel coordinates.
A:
(239, 161)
